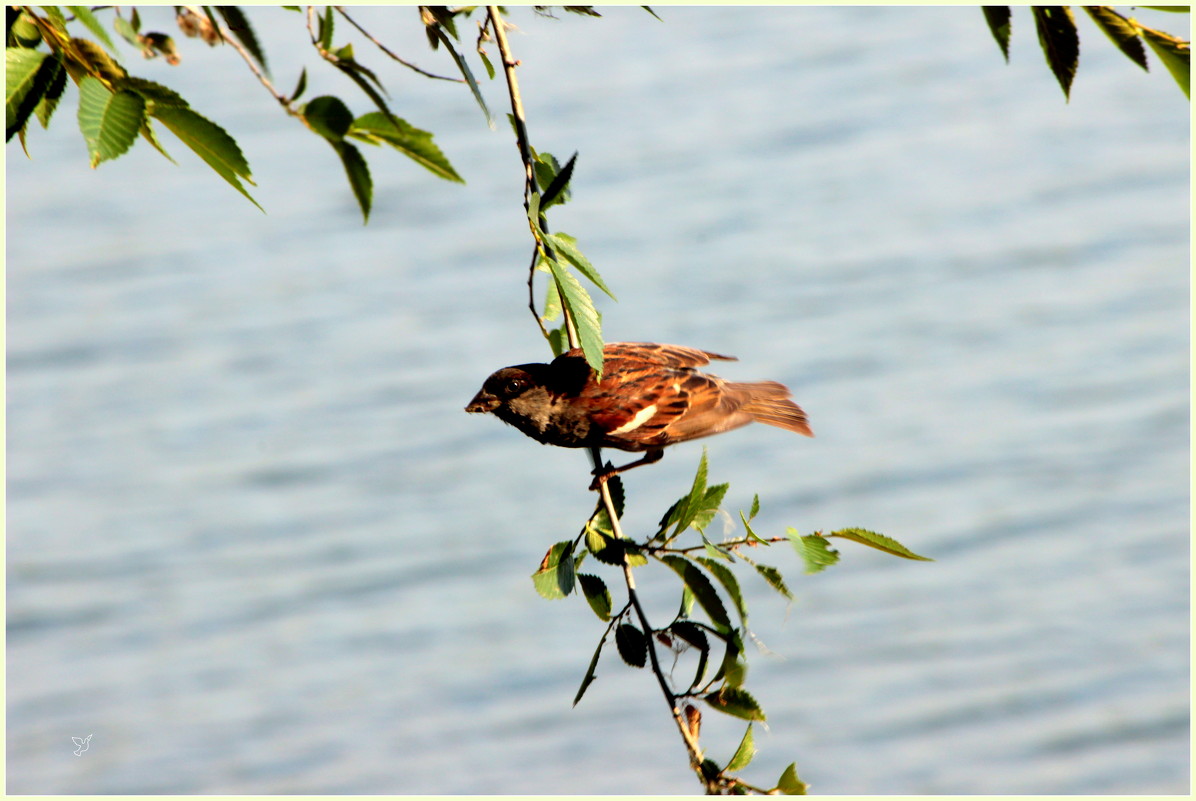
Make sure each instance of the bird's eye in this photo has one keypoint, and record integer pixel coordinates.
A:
(513, 386)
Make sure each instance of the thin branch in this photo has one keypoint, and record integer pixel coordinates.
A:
(384, 49)
(284, 101)
(525, 153)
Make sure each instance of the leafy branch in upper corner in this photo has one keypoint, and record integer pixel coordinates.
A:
(1060, 41)
(43, 49)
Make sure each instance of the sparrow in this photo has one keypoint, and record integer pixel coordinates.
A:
(649, 397)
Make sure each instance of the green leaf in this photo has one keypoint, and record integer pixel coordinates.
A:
(49, 102)
(552, 300)
(789, 784)
(878, 541)
(581, 309)
(716, 551)
(23, 32)
(813, 549)
(730, 584)
(84, 15)
(744, 753)
(1120, 31)
(1172, 9)
(1175, 55)
(486, 62)
(705, 509)
(407, 139)
(126, 30)
(109, 121)
(329, 117)
(588, 679)
(240, 28)
(1060, 42)
(755, 507)
(774, 579)
(96, 60)
(999, 22)
(703, 591)
(301, 86)
(633, 646)
(25, 84)
(358, 173)
(557, 190)
(152, 92)
(597, 595)
(55, 15)
(566, 246)
(555, 578)
(435, 34)
(325, 29)
(210, 142)
(735, 701)
(147, 133)
(694, 635)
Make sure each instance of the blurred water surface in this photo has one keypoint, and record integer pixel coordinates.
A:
(255, 546)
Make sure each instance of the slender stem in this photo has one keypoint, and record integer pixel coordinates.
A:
(525, 153)
(384, 49)
(509, 64)
(253, 67)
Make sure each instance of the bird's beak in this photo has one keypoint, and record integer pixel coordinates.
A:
(482, 402)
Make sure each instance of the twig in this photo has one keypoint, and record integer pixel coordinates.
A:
(525, 153)
(283, 101)
(384, 49)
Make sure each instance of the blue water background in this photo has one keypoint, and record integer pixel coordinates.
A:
(255, 546)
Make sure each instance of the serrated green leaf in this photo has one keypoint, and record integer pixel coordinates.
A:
(329, 117)
(580, 308)
(588, 679)
(632, 644)
(705, 509)
(731, 584)
(703, 591)
(735, 701)
(153, 92)
(751, 532)
(301, 86)
(1121, 32)
(789, 784)
(97, 61)
(22, 31)
(878, 541)
(325, 29)
(436, 34)
(109, 121)
(566, 246)
(49, 102)
(999, 22)
(557, 190)
(84, 15)
(744, 753)
(1175, 55)
(716, 551)
(774, 579)
(555, 578)
(147, 133)
(126, 31)
(596, 593)
(813, 549)
(25, 84)
(210, 142)
(239, 25)
(552, 301)
(358, 173)
(755, 507)
(407, 139)
(1060, 42)
(486, 63)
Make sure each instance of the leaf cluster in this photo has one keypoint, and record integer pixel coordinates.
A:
(47, 45)
(1060, 40)
(711, 620)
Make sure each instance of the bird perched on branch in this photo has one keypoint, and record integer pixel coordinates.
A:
(649, 397)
